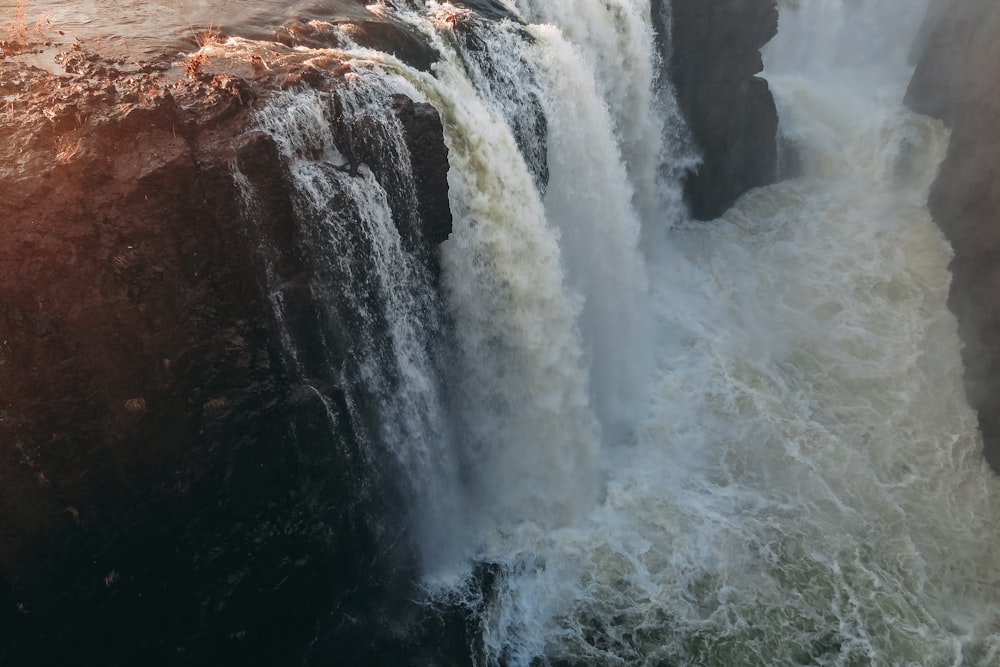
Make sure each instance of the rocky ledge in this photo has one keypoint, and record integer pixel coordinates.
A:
(170, 492)
(955, 80)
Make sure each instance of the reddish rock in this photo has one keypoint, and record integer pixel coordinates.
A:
(168, 493)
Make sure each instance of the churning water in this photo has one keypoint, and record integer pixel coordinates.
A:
(130, 28)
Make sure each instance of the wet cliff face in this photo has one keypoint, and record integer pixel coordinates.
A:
(730, 111)
(957, 80)
(170, 490)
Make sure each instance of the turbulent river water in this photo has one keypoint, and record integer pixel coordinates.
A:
(742, 442)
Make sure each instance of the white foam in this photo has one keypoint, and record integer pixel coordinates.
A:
(805, 485)
(802, 482)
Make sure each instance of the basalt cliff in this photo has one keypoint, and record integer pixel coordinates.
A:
(955, 80)
(713, 67)
(173, 489)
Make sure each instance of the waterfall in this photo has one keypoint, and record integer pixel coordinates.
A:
(612, 38)
(742, 442)
(846, 39)
(379, 338)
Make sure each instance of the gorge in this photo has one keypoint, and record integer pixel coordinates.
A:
(482, 334)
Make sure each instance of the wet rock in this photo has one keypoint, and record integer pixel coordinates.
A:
(491, 9)
(169, 492)
(380, 34)
(954, 81)
(396, 39)
(713, 65)
(423, 131)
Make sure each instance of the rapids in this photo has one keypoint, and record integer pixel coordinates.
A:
(129, 28)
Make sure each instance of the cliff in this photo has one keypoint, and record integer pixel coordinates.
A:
(714, 59)
(956, 80)
(173, 488)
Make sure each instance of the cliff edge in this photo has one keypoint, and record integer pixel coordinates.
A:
(174, 489)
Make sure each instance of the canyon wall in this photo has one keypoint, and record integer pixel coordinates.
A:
(957, 79)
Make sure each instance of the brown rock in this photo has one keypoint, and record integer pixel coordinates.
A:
(151, 422)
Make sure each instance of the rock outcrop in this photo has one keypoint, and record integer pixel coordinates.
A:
(176, 488)
(714, 59)
(171, 492)
(956, 81)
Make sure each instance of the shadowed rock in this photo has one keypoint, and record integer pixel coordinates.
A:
(956, 80)
(730, 112)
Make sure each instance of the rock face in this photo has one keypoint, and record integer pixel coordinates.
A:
(715, 57)
(955, 80)
(170, 490)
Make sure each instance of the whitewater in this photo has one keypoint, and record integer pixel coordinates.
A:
(669, 442)
(732, 443)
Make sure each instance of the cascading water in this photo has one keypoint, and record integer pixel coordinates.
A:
(383, 333)
(805, 487)
(743, 442)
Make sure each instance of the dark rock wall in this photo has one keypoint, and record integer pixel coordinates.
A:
(170, 491)
(957, 79)
(713, 65)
